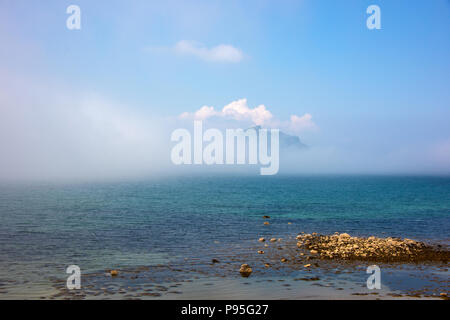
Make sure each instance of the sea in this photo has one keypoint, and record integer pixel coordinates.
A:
(162, 235)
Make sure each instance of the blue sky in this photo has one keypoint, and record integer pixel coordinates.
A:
(370, 92)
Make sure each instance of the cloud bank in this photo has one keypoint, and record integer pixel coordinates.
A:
(60, 134)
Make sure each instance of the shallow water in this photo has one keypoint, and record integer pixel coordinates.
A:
(125, 226)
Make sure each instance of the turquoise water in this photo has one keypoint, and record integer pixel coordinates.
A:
(99, 226)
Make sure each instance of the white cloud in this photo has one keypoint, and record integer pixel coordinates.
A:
(205, 112)
(303, 123)
(237, 110)
(219, 53)
(240, 111)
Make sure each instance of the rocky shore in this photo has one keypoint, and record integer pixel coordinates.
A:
(335, 263)
(345, 247)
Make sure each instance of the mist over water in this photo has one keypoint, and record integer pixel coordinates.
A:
(53, 137)
(73, 108)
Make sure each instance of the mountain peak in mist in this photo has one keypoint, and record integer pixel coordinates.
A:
(287, 140)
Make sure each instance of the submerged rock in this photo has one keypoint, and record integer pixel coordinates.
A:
(245, 270)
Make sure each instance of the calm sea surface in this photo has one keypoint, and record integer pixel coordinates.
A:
(45, 228)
